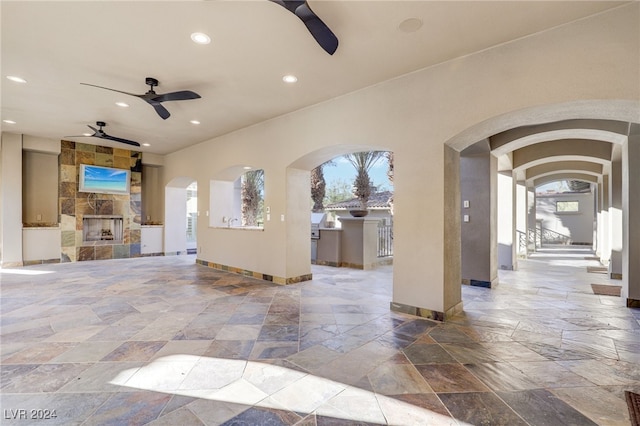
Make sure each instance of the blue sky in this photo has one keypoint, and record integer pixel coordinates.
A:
(344, 170)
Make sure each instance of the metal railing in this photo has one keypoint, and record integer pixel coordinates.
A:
(385, 240)
(192, 227)
(547, 236)
(522, 243)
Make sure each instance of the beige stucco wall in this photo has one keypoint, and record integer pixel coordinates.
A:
(631, 224)
(549, 76)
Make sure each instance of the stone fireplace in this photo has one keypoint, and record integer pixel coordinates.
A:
(102, 229)
(97, 226)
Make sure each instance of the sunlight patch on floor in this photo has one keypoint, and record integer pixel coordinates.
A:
(270, 386)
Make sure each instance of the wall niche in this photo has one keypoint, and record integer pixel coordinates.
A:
(75, 205)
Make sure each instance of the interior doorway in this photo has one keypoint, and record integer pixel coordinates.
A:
(192, 218)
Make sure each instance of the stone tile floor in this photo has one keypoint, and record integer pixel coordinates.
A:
(163, 341)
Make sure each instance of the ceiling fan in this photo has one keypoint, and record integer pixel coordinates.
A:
(154, 99)
(99, 133)
(318, 29)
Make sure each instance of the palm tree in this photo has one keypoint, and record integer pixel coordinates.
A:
(318, 186)
(252, 183)
(362, 162)
(578, 185)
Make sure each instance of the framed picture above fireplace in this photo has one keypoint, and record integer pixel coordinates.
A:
(104, 180)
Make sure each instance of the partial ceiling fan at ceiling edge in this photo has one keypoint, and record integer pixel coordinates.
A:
(99, 133)
(154, 99)
(318, 29)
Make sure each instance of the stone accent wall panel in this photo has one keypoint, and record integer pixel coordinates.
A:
(74, 205)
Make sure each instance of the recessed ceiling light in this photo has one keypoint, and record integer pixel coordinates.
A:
(289, 78)
(194, 122)
(247, 167)
(200, 38)
(146, 144)
(122, 104)
(9, 121)
(410, 25)
(16, 79)
(87, 134)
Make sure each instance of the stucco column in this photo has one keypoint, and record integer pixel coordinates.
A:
(605, 243)
(597, 238)
(631, 218)
(175, 237)
(11, 202)
(521, 220)
(478, 186)
(506, 221)
(298, 226)
(531, 220)
(426, 268)
(359, 242)
(615, 214)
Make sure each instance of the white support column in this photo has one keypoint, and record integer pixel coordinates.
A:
(521, 220)
(531, 220)
(506, 221)
(615, 214)
(11, 200)
(605, 250)
(597, 241)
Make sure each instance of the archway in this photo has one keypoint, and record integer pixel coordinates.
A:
(175, 215)
(355, 243)
(582, 141)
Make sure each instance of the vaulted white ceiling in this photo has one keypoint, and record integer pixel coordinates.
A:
(56, 46)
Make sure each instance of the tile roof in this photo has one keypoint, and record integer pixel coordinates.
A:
(379, 200)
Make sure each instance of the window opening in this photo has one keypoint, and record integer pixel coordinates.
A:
(252, 198)
(567, 206)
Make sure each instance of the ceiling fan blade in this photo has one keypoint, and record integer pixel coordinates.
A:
(290, 5)
(318, 29)
(92, 128)
(115, 139)
(113, 90)
(182, 95)
(162, 111)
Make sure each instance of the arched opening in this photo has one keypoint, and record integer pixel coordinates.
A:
(192, 218)
(236, 199)
(177, 211)
(580, 144)
(338, 237)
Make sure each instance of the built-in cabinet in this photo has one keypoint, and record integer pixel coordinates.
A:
(41, 244)
(152, 237)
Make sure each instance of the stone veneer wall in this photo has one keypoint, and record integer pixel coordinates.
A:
(74, 205)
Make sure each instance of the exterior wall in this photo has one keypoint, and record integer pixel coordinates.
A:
(578, 226)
